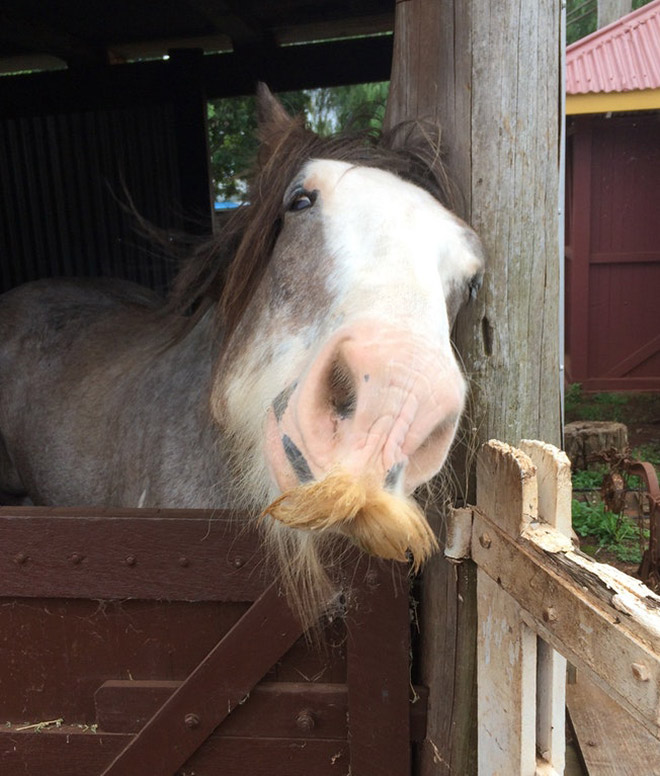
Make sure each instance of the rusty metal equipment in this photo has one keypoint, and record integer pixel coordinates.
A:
(649, 569)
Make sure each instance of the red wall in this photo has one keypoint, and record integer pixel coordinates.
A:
(613, 252)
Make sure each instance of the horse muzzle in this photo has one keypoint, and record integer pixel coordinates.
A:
(376, 402)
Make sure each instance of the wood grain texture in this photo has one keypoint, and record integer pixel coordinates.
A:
(574, 611)
(192, 555)
(378, 672)
(611, 742)
(70, 751)
(308, 710)
(489, 73)
(219, 683)
(553, 477)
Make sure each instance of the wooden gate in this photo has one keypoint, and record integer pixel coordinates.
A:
(155, 643)
(537, 594)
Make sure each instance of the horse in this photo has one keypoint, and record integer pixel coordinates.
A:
(301, 367)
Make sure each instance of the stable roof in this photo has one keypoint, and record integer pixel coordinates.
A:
(616, 68)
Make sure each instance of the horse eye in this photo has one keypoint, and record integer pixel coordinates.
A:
(302, 201)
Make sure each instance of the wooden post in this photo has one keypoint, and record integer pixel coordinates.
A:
(489, 73)
(191, 134)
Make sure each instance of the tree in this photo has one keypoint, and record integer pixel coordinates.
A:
(232, 126)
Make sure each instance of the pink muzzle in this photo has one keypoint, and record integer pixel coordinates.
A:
(376, 402)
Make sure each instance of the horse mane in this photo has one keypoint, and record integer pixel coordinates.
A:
(228, 267)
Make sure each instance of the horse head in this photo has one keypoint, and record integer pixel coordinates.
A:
(338, 383)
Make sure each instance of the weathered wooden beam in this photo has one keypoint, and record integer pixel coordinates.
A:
(489, 74)
(555, 490)
(605, 622)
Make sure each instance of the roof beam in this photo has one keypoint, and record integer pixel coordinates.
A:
(32, 35)
(227, 21)
(334, 63)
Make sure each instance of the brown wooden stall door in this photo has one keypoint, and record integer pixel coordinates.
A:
(100, 675)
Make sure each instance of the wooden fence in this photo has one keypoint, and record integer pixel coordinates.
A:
(537, 594)
(156, 643)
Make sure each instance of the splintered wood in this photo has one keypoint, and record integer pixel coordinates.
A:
(537, 594)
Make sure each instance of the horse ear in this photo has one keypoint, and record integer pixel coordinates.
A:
(274, 123)
(270, 111)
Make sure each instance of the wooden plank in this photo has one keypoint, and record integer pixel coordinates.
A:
(506, 682)
(507, 491)
(70, 751)
(577, 606)
(553, 477)
(108, 554)
(378, 670)
(219, 684)
(275, 709)
(612, 743)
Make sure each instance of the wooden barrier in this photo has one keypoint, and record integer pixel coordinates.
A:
(155, 642)
(536, 594)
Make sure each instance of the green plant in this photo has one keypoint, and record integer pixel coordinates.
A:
(616, 533)
(588, 479)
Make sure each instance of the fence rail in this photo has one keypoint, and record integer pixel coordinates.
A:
(540, 601)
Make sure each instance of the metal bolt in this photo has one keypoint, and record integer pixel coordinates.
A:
(183, 561)
(372, 579)
(485, 541)
(238, 562)
(641, 672)
(130, 560)
(21, 558)
(191, 721)
(76, 558)
(305, 721)
(549, 614)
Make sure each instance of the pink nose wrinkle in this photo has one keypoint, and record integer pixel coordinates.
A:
(375, 402)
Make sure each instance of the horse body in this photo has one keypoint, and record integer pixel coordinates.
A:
(327, 363)
(93, 411)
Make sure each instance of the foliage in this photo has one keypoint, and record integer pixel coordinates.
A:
(589, 479)
(595, 406)
(582, 17)
(232, 126)
(616, 533)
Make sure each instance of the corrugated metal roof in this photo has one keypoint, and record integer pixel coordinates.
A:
(622, 57)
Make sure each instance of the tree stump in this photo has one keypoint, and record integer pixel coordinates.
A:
(584, 438)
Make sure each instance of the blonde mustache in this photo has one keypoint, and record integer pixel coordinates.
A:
(377, 521)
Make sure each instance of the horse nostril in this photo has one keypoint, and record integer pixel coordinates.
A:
(342, 397)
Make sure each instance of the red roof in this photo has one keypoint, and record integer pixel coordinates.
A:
(622, 57)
